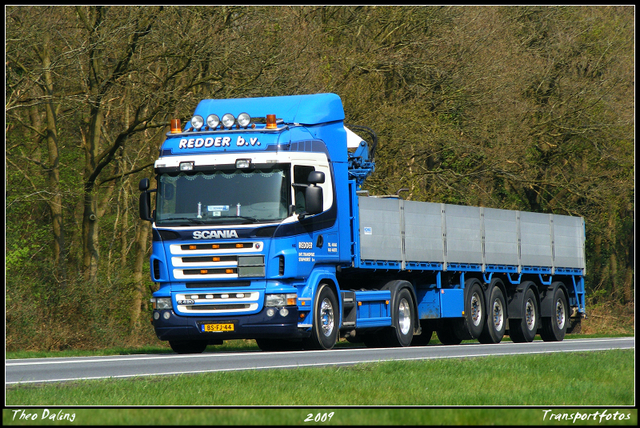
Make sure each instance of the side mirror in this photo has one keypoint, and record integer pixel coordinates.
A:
(316, 177)
(145, 200)
(313, 196)
(144, 184)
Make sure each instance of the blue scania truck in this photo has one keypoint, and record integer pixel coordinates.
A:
(261, 231)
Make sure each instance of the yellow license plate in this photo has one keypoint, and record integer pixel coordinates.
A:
(210, 328)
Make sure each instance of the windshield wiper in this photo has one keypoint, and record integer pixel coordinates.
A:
(188, 219)
(233, 219)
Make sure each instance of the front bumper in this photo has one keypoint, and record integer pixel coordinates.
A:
(255, 326)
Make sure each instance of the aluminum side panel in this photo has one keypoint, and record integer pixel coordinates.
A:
(535, 239)
(423, 232)
(464, 234)
(380, 231)
(568, 237)
(501, 237)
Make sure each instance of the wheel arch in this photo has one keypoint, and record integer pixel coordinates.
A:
(546, 302)
(395, 285)
(515, 297)
(317, 278)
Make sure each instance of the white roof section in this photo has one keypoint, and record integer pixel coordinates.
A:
(353, 139)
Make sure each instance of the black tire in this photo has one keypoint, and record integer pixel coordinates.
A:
(447, 332)
(475, 315)
(402, 319)
(188, 346)
(496, 323)
(554, 328)
(326, 320)
(276, 345)
(424, 338)
(525, 328)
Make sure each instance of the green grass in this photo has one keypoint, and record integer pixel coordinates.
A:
(339, 416)
(475, 387)
(592, 379)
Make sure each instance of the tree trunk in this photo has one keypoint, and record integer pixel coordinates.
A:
(55, 203)
(142, 236)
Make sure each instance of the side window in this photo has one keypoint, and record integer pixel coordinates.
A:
(300, 176)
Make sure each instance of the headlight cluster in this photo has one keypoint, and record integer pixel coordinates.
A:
(161, 303)
(228, 121)
(275, 300)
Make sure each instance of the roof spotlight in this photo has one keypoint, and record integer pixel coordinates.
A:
(213, 121)
(244, 120)
(197, 122)
(228, 120)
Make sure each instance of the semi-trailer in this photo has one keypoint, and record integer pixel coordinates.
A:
(261, 230)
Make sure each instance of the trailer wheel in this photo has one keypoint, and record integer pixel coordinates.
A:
(324, 332)
(496, 324)
(447, 332)
(188, 346)
(474, 313)
(554, 327)
(525, 329)
(402, 319)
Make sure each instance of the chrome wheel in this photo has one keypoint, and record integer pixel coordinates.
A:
(326, 317)
(530, 315)
(404, 317)
(498, 315)
(561, 315)
(476, 309)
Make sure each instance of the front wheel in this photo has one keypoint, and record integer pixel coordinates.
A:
(188, 346)
(324, 333)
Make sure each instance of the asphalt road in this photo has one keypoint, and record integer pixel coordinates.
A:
(40, 370)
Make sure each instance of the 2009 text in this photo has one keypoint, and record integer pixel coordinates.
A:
(319, 417)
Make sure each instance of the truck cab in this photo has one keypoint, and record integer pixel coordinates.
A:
(250, 198)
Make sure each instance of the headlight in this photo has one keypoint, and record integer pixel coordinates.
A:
(244, 120)
(160, 303)
(213, 121)
(228, 120)
(281, 299)
(197, 122)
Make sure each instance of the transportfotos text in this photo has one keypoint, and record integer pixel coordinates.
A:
(550, 415)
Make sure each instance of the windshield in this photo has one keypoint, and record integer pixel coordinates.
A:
(233, 196)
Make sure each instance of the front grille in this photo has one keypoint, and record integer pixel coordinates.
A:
(227, 271)
(208, 259)
(221, 246)
(204, 261)
(218, 303)
(217, 307)
(218, 284)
